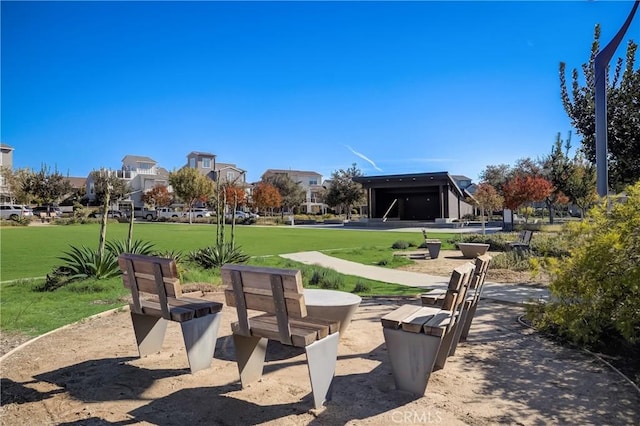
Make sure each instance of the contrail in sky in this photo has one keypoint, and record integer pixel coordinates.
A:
(364, 158)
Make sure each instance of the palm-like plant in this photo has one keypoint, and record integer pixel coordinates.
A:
(84, 262)
(216, 256)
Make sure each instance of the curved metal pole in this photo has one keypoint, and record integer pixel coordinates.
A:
(600, 69)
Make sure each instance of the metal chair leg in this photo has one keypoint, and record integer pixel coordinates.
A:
(200, 336)
(149, 333)
(322, 357)
(250, 356)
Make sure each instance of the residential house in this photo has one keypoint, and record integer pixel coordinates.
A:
(416, 197)
(6, 161)
(205, 162)
(140, 173)
(311, 182)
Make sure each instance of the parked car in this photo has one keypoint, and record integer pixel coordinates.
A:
(14, 211)
(198, 212)
(240, 215)
(113, 214)
(52, 211)
(144, 213)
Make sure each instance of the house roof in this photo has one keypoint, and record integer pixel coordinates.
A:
(460, 177)
(283, 171)
(409, 180)
(77, 182)
(201, 154)
(5, 146)
(138, 159)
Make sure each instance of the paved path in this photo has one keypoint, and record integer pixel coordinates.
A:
(509, 293)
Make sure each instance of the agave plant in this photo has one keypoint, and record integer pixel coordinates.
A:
(118, 247)
(84, 262)
(177, 255)
(216, 256)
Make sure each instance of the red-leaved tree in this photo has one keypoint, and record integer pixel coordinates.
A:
(158, 196)
(266, 196)
(523, 189)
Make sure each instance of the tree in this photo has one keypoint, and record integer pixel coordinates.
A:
(293, 195)
(581, 184)
(524, 189)
(44, 186)
(344, 192)
(266, 196)
(496, 176)
(556, 168)
(235, 195)
(158, 196)
(623, 113)
(488, 199)
(17, 181)
(191, 186)
(105, 180)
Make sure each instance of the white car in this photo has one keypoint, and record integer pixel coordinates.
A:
(198, 212)
(14, 211)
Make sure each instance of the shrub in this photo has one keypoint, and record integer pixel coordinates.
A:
(323, 278)
(361, 287)
(400, 245)
(596, 290)
(218, 255)
(517, 260)
(497, 242)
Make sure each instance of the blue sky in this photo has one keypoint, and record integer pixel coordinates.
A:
(396, 87)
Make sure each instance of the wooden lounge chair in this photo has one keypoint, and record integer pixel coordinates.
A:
(278, 293)
(419, 339)
(436, 298)
(524, 241)
(157, 299)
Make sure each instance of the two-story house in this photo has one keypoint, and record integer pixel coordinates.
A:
(205, 162)
(311, 182)
(140, 173)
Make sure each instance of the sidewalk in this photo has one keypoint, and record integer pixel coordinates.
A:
(509, 293)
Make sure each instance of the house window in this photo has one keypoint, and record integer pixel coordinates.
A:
(192, 163)
(206, 163)
(313, 182)
(230, 176)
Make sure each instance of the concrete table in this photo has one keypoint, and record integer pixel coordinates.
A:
(332, 305)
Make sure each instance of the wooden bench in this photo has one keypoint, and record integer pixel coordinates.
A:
(436, 299)
(278, 294)
(524, 241)
(419, 338)
(157, 299)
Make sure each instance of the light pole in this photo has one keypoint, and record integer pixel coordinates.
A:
(600, 69)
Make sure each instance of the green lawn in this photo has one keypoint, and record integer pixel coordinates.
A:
(32, 251)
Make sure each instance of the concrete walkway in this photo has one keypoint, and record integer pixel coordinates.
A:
(509, 293)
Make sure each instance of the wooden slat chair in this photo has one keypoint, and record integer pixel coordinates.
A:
(157, 299)
(436, 299)
(419, 338)
(278, 293)
(524, 241)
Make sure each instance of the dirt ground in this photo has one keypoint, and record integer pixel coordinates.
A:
(90, 374)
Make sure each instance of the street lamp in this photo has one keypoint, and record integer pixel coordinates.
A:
(600, 69)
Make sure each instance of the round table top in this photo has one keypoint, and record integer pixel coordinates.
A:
(321, 297)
